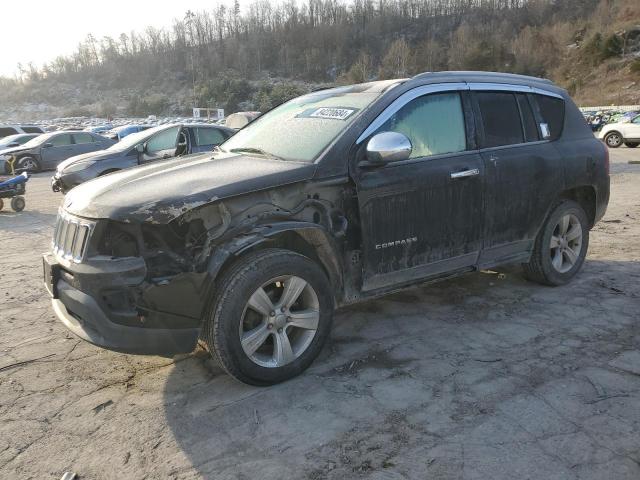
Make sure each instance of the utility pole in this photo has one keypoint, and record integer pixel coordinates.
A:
(188, 20)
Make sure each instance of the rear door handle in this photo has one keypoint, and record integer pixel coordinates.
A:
(466, 173)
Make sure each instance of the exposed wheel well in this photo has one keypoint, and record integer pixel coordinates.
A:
(295, 242)
(586, 197)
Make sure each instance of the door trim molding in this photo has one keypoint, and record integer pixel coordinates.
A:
(419, 272)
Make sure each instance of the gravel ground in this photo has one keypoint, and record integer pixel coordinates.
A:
(483, 377)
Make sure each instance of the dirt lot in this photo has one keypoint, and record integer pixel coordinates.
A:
(483, 377)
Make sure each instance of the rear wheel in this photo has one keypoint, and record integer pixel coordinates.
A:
(561, 246)
(631, 144)
(270, 318)
(17, 203)
(613, 139)
(28, 164)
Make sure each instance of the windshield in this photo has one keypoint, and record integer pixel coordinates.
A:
(40, 139)
(134, 139)
(17, 138)
(302, 128)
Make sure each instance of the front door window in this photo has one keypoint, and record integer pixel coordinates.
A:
(433, 123)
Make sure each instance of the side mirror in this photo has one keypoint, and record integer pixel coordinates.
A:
(141, 147)
(388, 147)
(47, 145)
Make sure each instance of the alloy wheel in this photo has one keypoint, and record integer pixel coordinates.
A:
(279, 321)
(28, 164)
(566, 243)
(614, 140)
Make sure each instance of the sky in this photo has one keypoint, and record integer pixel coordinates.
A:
(39, 30)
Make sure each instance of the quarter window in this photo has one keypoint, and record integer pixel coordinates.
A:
(433, 123)
(500, 119)
(528, 120)
(551, 111)
(209, 136)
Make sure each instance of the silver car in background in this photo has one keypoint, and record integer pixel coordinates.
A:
(159, 143)
(46, 151)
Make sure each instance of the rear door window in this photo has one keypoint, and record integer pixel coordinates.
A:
(61, 140)
(500, 119)
(209, 136)
(551, 111)
(32, 129)
(83, 138)
(433, 123)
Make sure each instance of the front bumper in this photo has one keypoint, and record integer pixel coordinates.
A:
(80, 300)
(56, 185)
(61, 184)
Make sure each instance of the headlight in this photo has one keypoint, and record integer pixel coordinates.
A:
(76, 167)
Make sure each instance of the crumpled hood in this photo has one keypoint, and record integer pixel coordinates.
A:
(162, 191)
(97, 155)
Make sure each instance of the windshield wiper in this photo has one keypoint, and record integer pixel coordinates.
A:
(257, 151)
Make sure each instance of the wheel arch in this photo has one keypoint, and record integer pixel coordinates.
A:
(586, 196)
(36, 158)
(309, 240)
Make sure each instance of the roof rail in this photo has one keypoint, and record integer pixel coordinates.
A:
(513, 76)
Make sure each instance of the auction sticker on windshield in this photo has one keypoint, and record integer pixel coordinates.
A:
(332, 113)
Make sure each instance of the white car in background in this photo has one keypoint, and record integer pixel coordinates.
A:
(627, 132)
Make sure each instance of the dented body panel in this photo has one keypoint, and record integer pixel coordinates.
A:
(175, 227)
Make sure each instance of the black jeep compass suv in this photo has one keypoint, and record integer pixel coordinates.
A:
(331, 198)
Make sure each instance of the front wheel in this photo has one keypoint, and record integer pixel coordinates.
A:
(270, 317)
(28, 164)
(613, 139)
(561, 246)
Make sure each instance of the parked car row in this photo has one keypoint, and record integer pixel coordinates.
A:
(47, 150)
(6, 130)
(158, 143)
(598, 119)
(625, 131)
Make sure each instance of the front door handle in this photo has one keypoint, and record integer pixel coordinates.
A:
(466, 173)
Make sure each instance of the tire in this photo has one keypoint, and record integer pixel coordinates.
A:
(257, 360)
(613, 139)
(28, 164)
(571, 246)
(631, 144)
(17, 203)
(1, 204)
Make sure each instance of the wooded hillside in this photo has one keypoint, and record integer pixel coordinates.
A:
(256, 56)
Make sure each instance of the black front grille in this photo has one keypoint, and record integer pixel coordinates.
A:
(71, 237)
